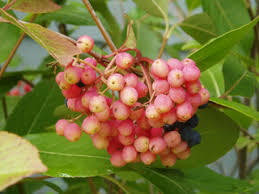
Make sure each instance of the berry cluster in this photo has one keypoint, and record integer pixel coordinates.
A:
(145, 117)
(21, 89)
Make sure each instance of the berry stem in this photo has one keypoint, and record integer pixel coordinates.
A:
(76, 118)
(90, 65)
(110, 65)
(100, 26)
(147, 78)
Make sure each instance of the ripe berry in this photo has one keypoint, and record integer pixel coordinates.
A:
(151, 112)
(141, 132)
(64, 85)
(142, 89)
(85, 43)
(124, 60)
(177, 95)
(180, 148)
(175, 64)
(157, 145)
(195, 100)
(105, 129)
(172, 138)
(184, 111)
(142, 122)
(160, 86)
(120, 111)
(169, 117)
(104, 115)
(129, 96)
(187, 62)
(60, 126)
(89, 60)
(136, 114)
(156, 123)
(86, 98)
(193, 87)
(184, 155)
(73, 92)
(168, 160)
(186, 133)
(165, 152)
(126, 140)
(72, 75)
(191, 73)
(59, 77)
(114, 145)
(126, 127)
(72, 132)
(91, 125)
(88, 76)
(175, 78)
(131, 80)
(163, 103)
(129, 154)
(156, 132)
(116, 82)
(205, 95)
(141, 144)
(160, 68)
(98, 104)
(117, 160)
(147, 157)
(99, 141)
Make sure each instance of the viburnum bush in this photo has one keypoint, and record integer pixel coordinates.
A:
(132, 96)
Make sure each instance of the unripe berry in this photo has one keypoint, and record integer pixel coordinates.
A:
(85, 43)
(142, 122)
(184, 111)
(169, 117)
(117, 160)
(142, 89)
(88, 76)
(136, 114)
(157, 145)
(151, 112)
(73, 92)
(60, 126)
(205, 95)
(172, 139)
(91, 125)
(105, 129)
(141, 144)
(120, 111)
(129, 96)
(124, 60)
(126, 127)
(175, 64)
(147, 157)
(175, 78)
(191, 73)
(129, 154)
(131, 80)
(160, 87)
(98, 104)
(177, 95)
(188, 62)
(184, 155)
(100, 142)
(126, 140)
(180, 147)
(193, 87)
(72, 132)
(89, 60)
(141, 132)
(104, 115)
(116, 82)
(163, 103)
(86, 98)
(160, 68)
(156, 123)
(156, 132)
(195, 100)
(59, 77)
(168, 160)
(72, 75)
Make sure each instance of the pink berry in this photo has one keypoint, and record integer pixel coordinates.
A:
(141, 144)
(184, 111)
(72, 75)
(184, 155)
(205, 95)
(131, 80)
(89, 60)
(100, 142)
(168, 160)
(85, 43)
(126, 127)
(160, 87)
(156, 132)
(129, 96)
(175, 78)
(120, 111)
(141, 132)
(169, 117)
(187, 62)
(15, 92)
(126, 140)
(172, 139)
(193, 87)
(180, 147)
(195, 100)
(157, 145)
(98, 104)
(73, 92)
(72, 132)
(129, 154)
(60, 126)
(105, 129)
(177, 95)
(160, 68)
(104, 115)
(191, 73)
(88, 76)
(117, 160)
(27, 88)
(71, 104)
(136, 112)
(91, 125)
(165, 152)
(156, 123)
(116, 82)
(147, 157)
(79, 106)
(86, 98)
(151, 112)
(142, 89)
(114, 145)
(59, 77)
(175, 64)
(124, 60)
(64, 85)
(163, 103)
(142, 122)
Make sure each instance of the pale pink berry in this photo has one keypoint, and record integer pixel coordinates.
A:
(71, 103)
(86, 98)
(126, 140)
(141, 132)
(72, 75)
(120, 111)
(104, 115)
(117, 160)
(136, 112)
(91, 125)
(124, 60)
(156, 132)
(59, 77)
(172, 139)
(191, 73)
(180, 147)
(141, 144)
(151, 112)
(131, 80)
(177, 95)
(99, 141)
(184, 111)
(116, 82)
(195, 100)
(187, 62)
(142, 89)
(193, 87)
(157, 145)
(105, 129)
(73, 92)
(142, 122)
(88, 76)
(169, 117)
(163, 103)
(160, 68)
(64, 85)
(160, 87)
(129, 96)
(129, 154)
(156, 123)
(168, 160)
(175, 78)
(72, 132)
(60, 126)
(175, 64)
(147, 157)
(98, 104)
(85, 43)
(184, 155)
(89, 60)
(79, 106)
(126, 127)
(205, 95)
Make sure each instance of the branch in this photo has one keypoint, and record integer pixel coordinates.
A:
(92, 185)
(245, 132)
(100, 26)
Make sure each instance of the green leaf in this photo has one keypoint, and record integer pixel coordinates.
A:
(130, 41)
(154, 7)
(242, 120)
(35, 110)
(193, 4)
(63, 112)
(19, 158)
(213, 80)
(216, 49)
(60, 47)
(79, 15)
(7, 83)
(200, 27)
(34, 6)
(249, 112)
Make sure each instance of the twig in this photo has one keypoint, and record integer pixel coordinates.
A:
(100, 26)
(110, 65)
(147, 78)
(242, 158)
(5, 108)
(18, 43)
(28, 82)
(21, 188)
(245, 132)
(92, 185)
(90, 65)
(116, 182)
(76, 118)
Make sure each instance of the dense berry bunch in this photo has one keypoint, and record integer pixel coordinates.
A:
(130, 130)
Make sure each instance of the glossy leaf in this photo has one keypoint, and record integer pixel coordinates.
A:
(34, 112)
(59, 46)
(18, 159)
(34, 6)
(215, 50)
(130, 41)
(246, 110)
(193, 4)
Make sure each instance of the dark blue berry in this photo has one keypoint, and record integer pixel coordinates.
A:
(179, 125)
(167, 128)
(80, 84)
(196, 139)
(66, 102)
(193, 122)
(204, 106)
(186, 133)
